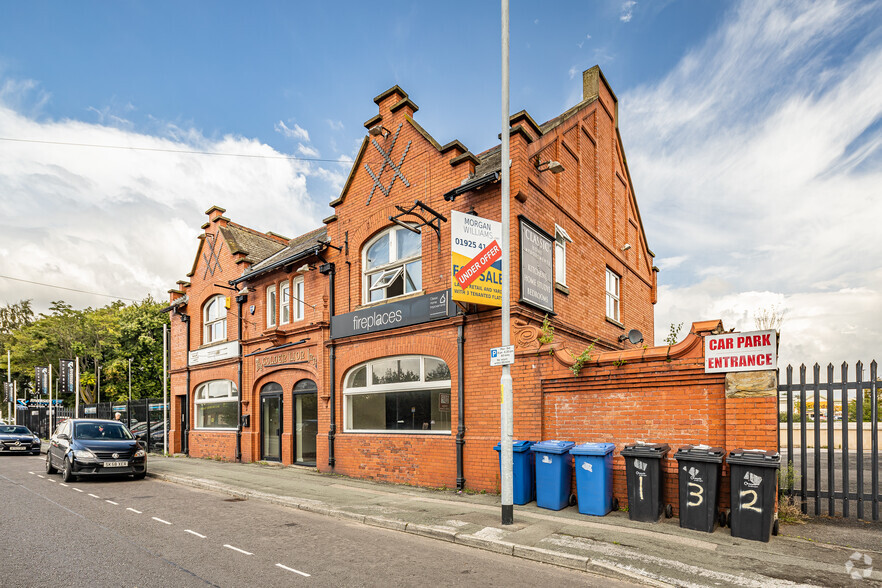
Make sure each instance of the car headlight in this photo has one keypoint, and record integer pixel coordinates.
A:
(140, 453)
(37, 440)
(83, 454)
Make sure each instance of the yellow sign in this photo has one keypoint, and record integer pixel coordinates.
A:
(471, 238)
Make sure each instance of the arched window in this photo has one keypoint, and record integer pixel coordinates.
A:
(216, 405)
(214, 320)
(393, 264)
(405, 393)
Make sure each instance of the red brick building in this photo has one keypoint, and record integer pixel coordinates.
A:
(343, 347)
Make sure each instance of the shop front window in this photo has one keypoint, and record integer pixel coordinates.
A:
(216, 405)
(406, 394)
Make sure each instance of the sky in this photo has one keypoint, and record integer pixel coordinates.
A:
(753, 133)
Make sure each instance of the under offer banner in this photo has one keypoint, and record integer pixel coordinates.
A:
(476, 259)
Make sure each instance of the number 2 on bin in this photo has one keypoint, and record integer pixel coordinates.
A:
(698, 493)
(750, 505)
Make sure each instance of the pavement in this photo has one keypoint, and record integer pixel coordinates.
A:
(822, 552)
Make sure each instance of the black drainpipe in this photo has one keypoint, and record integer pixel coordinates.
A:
(185, 441)
(460, 407)
(240, 300)
(328, 270)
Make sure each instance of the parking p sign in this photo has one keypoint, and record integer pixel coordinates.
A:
(502, 355)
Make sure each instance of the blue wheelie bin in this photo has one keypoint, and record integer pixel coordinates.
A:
(524, 472)
(594, 477)
(554, 473)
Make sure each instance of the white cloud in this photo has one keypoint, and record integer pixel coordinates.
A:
(307, 151)
(627, 10)
(295, 132)
(666, 263)
(573, 71)
(336, 125)
(125, 221)
(745, 162)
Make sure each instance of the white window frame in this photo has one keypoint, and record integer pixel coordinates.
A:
(271, 306)
(298, 295)
(201, 399)
(370, 388)
(285, 302)
(389, 271)
(561, 238)
(613, 295)
(211, 322)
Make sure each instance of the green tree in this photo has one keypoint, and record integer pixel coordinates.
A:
(105, 337)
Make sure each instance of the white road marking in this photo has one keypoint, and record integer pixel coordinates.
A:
(112, 502)
(93, 496)
(62, 484)
(304, 574)
(39, 476)
(51, 480)
(77, 489)
(161, 521)
(134, 511)
(237, 549)
(32, 473)
(200, 535)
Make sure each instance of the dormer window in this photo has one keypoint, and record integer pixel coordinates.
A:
(393, 264)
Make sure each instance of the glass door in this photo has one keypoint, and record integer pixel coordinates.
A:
(305, 422)
(271, 424)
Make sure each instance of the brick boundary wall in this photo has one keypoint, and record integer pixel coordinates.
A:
(657, 395)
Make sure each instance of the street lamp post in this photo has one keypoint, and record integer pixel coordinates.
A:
(506, 419)
(129, 407)
(99, 387)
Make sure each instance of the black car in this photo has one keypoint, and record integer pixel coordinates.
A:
(18, 439)
(93, 447)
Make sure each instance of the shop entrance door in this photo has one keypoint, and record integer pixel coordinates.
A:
(271, 423)
(305, 422)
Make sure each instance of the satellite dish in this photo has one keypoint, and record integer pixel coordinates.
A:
(635, 336)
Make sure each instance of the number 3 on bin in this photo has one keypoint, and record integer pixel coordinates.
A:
(750, 505)
(698, 493)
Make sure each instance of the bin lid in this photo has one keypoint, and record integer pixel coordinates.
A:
(516, 446)
(640, 449)
(593, 449)
(552, 446)
(755, 457)
(700, 453)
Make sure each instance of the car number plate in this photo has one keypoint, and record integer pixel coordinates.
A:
(115, 464)
(19, 448)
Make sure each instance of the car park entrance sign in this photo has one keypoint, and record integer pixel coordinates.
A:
(740, 352)
(476, 259)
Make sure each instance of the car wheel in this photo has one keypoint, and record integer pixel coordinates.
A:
(140, 475)
(67, 472)
(50, 469)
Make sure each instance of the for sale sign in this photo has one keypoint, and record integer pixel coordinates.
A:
(476, 259)
(740, 352)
